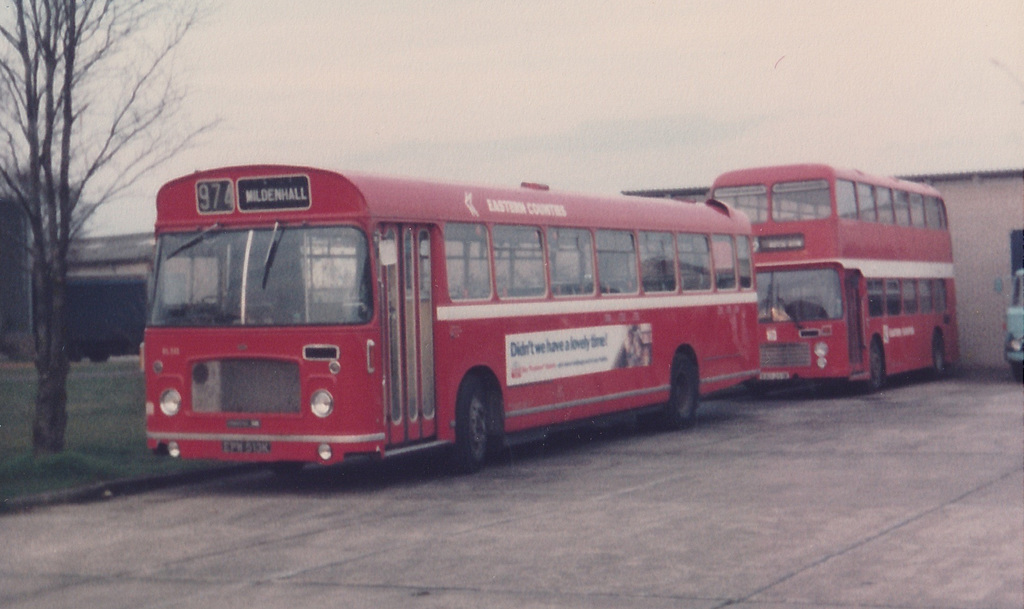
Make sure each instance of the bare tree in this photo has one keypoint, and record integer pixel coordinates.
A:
(88, 104)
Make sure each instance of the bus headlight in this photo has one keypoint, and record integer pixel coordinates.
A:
(321, 403)
(170, 402)
(821, 349)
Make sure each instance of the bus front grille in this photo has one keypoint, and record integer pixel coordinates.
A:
(785, 355)
(245, 386)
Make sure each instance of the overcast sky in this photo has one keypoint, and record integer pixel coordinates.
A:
(597, 96)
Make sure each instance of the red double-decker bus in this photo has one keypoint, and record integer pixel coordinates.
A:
(854, 272)
(299, 315)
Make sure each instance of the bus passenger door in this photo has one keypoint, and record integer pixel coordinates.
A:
(404, 257)
(854, 328)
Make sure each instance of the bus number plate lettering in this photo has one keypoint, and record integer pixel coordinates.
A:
(245, 446)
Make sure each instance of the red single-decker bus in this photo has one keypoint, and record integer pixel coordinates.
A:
(854, 272)
(300, 315)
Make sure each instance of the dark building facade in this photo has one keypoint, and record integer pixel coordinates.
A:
(15, 281)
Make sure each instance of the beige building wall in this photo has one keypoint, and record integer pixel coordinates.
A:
(983, 207)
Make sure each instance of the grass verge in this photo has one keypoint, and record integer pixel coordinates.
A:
(105, 438)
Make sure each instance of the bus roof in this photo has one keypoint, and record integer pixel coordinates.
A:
(769, 175)
(334, 196)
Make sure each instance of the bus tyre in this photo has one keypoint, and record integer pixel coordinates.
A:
(471, 426)
(1017, 371)
(938, 355)
(876, 361)
(684, 397)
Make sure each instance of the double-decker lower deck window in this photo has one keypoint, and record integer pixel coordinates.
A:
(806, 295)
(876, 297)
(909, 296)
(277, 276)
(892, 297)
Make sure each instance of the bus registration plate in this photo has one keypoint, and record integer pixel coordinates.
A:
(774, 376)
(245, 446)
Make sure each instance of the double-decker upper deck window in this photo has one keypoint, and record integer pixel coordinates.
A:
(801, 200)
(725, 262)
(935, 212)
(901, 207)
(466, 260)
(616, 262)
(270, 277)
(866, 202)
(657, 262)
(694, 261)
(751, 200)
(883, 200)
(571, 260)
(518, 262)
(916, 209)
(846, 200)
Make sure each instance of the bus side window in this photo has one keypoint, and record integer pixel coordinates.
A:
(724, 261)
(657, 262)
(901, 206)
(892, 296)
(883, 200)
(571, 261)
(909, 296)
(917, 209)
(876, 297)
(924, 292)
(939, 295)
(616, 262)
(694, 262)
(935, 213)
(743, 264)
(866, 202)
(467, 262)
(518, 262)
(846, 200)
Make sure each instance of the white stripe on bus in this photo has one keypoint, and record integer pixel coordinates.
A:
(606, 304)
(895, 269)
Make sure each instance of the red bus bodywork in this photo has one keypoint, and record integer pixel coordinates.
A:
(869, 232)
(395, 370)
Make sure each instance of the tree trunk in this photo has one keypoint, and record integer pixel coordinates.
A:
(51, 361)
(51, 412)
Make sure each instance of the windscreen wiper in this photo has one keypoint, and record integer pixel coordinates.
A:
(275, 239)
(194, 240)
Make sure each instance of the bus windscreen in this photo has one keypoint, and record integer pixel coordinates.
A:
(277, 276)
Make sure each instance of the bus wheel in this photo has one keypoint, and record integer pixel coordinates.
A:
(471, 426)
(876, 358)
(684, 397)
(938, 354)
(1017, 371)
